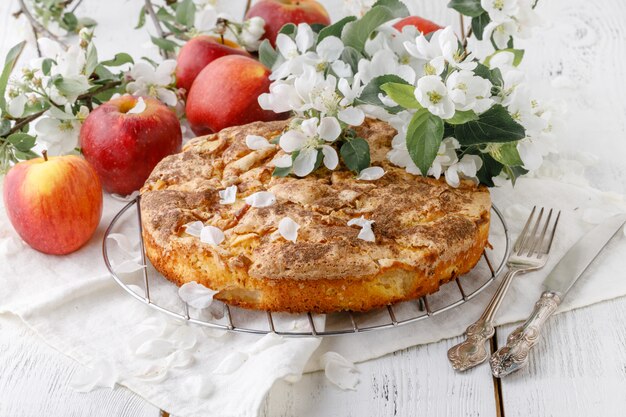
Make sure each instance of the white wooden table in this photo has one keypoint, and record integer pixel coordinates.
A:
(579, 369)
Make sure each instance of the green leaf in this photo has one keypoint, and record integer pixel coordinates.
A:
(92, 59)
(369, 95)
(69, 22)
(335, 29)
(186, 12)
(69, 86)
(165, 44)
(119, 59)
(86, 22)
(494, 125)
(461, 117)
(9, 64)
(351, 57)
(506, 154)
(355, 33)
(397, 7)
(288, 29)
(467, 7)
(478, 25)
(493, 75)
(281, 172)
(22, 141)
(5, 126)
(267, 54)
(423, 137)
(403, 94)
(46, 65)
(141, 21)
(164, 15)
(24, 156)
(518, 55)
(355, 153)
(491, 168)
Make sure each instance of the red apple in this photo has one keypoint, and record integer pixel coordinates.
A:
(423, 25)
(226, 93)
(278, 13)
(125, 147)
(54, 203)
(200, 52)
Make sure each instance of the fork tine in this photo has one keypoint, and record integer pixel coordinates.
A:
(538, 245)
(522, 236)
(549, 243)
(532, 238)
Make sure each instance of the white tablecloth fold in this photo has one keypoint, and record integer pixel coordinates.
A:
(77, 308)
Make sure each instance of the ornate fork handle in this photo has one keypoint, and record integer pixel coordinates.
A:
(472, 351)
(514, 355)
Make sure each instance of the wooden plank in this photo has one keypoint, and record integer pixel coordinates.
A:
(411, 382)
(34, 381)
(577, 369)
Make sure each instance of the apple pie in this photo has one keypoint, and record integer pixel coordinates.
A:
(424, 232)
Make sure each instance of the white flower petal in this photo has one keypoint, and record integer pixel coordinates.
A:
(288, 229)
(256, 142)
(285, 45)
(167, 96)
(284, 161)
(16, 106)
(124, 243)
(352, 116)
(340, 371)
(371, 174)
(261, 199)
(211, 235)
(329, 129)
(128, 266)
(231, 363)
(330, 48)
(292, 140)
(228, 195)
(366, 232)
(138, 108)
(305, 162)
(331, 160)
(194, 228)
(196, 295)
(304, 37)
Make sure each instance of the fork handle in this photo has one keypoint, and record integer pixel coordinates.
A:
(472, 350)
(514, 355)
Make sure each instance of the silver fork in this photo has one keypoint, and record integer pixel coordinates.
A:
(530, 253)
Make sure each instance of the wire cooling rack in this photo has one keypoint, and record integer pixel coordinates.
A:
(147, 285)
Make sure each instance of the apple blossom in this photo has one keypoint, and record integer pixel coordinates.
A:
(469, 91)
(433, 95)
(154, 82)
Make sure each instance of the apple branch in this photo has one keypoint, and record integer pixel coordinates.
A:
(245, 11)
(37, 27)
(20, 123)
(157, 26)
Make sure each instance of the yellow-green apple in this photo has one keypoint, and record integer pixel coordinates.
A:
(200, 52)
(54, 203)
(278, 13)
(126, 137)
(226, 93)
(423, 25)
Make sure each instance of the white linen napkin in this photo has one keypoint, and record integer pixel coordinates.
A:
(73, 303)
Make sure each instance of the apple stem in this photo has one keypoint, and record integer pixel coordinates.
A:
(45, 155)
(222, 38)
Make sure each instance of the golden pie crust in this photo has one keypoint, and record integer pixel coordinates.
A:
(426, 232)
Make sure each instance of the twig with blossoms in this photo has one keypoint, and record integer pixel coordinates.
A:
(186, 19)
(456, 115)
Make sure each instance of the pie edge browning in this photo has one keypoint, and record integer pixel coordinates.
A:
(320, 295)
